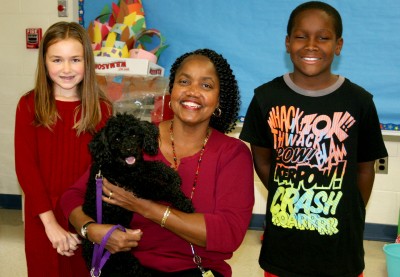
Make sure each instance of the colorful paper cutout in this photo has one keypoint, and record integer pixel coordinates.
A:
(122, 28)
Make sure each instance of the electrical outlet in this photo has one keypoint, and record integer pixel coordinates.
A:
(62, 8)
(382, 166)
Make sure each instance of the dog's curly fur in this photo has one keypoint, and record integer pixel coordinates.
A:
(117, 150)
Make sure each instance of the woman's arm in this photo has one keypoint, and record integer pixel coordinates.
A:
(118, 241)
(71, 205)
(190, 227)
(233, 189)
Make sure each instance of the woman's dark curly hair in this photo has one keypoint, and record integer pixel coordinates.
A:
(229, 98)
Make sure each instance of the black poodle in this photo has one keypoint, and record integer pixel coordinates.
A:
(117, 151)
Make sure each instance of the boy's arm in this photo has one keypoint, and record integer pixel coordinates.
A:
(262, 162)
(365, 179)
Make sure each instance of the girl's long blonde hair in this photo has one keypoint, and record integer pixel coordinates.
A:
(45, 104)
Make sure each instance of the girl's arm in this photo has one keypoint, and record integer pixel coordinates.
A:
(62, 240)
(31, 181)
(71, 205)
(26, 158)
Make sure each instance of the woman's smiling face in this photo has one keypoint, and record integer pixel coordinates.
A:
(195, 93)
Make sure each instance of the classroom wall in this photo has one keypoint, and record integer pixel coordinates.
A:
(17, 69)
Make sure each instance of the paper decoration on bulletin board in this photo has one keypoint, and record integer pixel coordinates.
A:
(120, 31)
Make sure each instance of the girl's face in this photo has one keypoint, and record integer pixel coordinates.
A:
(312, 45)
(195, 93)
(65, 66)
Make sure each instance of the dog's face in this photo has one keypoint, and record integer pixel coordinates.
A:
(126, 144)
(123, 140)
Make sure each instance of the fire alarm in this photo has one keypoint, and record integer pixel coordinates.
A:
(33, 37)
(62, 8)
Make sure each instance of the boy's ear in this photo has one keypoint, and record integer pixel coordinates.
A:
(287, 39)
(339, 46)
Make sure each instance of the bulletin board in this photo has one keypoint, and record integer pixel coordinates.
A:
(251, 36)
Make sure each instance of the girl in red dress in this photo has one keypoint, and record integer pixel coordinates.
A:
(54, 123)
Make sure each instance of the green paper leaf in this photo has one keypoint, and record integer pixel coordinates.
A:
(104, 15)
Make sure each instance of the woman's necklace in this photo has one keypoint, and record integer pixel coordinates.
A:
(171, 133)
(196, 258)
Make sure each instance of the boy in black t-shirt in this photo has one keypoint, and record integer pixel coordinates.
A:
(314, 137)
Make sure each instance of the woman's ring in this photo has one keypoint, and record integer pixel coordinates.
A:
(111, 193)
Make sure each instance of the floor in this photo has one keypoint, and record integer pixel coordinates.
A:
(244, 261)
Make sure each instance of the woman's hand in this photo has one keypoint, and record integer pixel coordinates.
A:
(189, 226)
(118, 240)
(115, 195)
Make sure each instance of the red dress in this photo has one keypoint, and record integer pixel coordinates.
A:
(47, 163)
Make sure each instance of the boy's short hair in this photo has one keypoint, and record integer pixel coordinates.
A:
(317, 5)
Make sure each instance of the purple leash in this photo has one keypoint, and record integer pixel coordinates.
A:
(100, 255)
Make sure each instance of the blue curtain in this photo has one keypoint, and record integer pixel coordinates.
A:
(251, 35)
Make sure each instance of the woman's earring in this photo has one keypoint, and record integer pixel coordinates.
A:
(217, 112)
(169, 104)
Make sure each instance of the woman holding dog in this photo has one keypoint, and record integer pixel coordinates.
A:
(54, 123)
(216, 172)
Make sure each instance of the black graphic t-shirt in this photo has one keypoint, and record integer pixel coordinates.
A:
(315, 213)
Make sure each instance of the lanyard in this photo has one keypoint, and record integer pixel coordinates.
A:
(196, 258)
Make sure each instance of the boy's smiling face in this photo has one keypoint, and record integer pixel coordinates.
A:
(312, 45)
